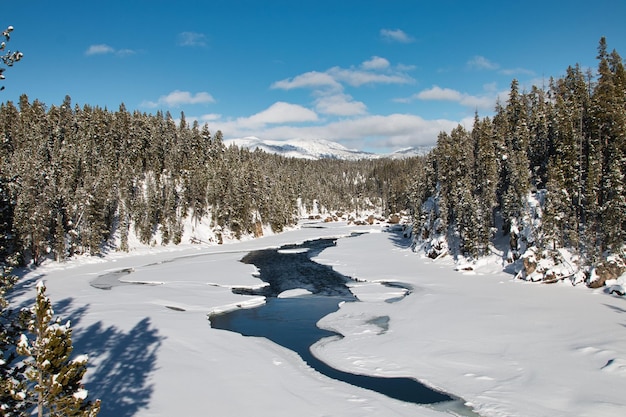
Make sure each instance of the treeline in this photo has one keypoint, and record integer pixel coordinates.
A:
(73, 177)
(548, 169)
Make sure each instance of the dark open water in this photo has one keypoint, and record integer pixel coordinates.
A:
(291, 322)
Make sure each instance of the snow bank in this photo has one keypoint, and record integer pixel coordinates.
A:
(509, 347)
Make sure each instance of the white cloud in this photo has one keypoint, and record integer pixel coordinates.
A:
(482, 63)
(278, 113)
(125, 52)
(177, 98)
(192, 39)
(405, 68)
(379, 131)
(436, 93)
(375, 63)
(376, 70)
(104, 49)
(357, 78)
(339, 105)
(345, 120)
(328, 86)
(398, 129)
(312, 79)
(329, 96)
(479, 102)
(210, 117)
(396, 35)
(99, 49)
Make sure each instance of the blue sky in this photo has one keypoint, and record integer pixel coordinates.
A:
(372, 75)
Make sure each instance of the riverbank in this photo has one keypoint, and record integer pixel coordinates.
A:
(510, 348)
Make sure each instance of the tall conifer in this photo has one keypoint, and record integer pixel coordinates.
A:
(56, 388)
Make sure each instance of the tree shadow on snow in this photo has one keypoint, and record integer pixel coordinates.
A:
(21, 287)
(616, 308)
(120, 363)
(400, 236)
(120, 366)
(64, 309)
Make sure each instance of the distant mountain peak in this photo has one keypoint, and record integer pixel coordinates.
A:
(410, 151)
(317, 149)
(302, 148)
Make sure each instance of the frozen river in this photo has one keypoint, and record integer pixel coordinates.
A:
(292, 322)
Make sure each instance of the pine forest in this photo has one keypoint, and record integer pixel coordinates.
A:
(545, 172)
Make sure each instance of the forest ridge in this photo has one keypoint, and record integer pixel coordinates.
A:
(75, 177)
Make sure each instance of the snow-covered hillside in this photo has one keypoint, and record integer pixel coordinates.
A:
(410, 151)
(301, 148)
(317, 149)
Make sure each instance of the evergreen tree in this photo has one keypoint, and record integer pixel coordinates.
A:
(540, 132)
(32, 218)
(56, 388)
(515, 176)
(485, 180)
(12, 379)
(559, 218)
(609, 139)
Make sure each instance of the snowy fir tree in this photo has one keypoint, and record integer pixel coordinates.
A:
(55, 386)
(12, 378)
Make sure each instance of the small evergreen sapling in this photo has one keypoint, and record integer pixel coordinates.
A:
(56, 387)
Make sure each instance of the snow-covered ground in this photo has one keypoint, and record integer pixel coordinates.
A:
(508, 347)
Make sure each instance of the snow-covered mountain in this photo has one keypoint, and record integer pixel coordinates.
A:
(301, 148)
(411, 151)
(317, 149)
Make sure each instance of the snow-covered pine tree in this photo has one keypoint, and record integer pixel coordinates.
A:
(463, 214)
(56, 388)
(468, 220)
(559, 218)
(32, 204)
(12, 381)
(515, 174)
(610, 117)
(485, 179)
(541, 134)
